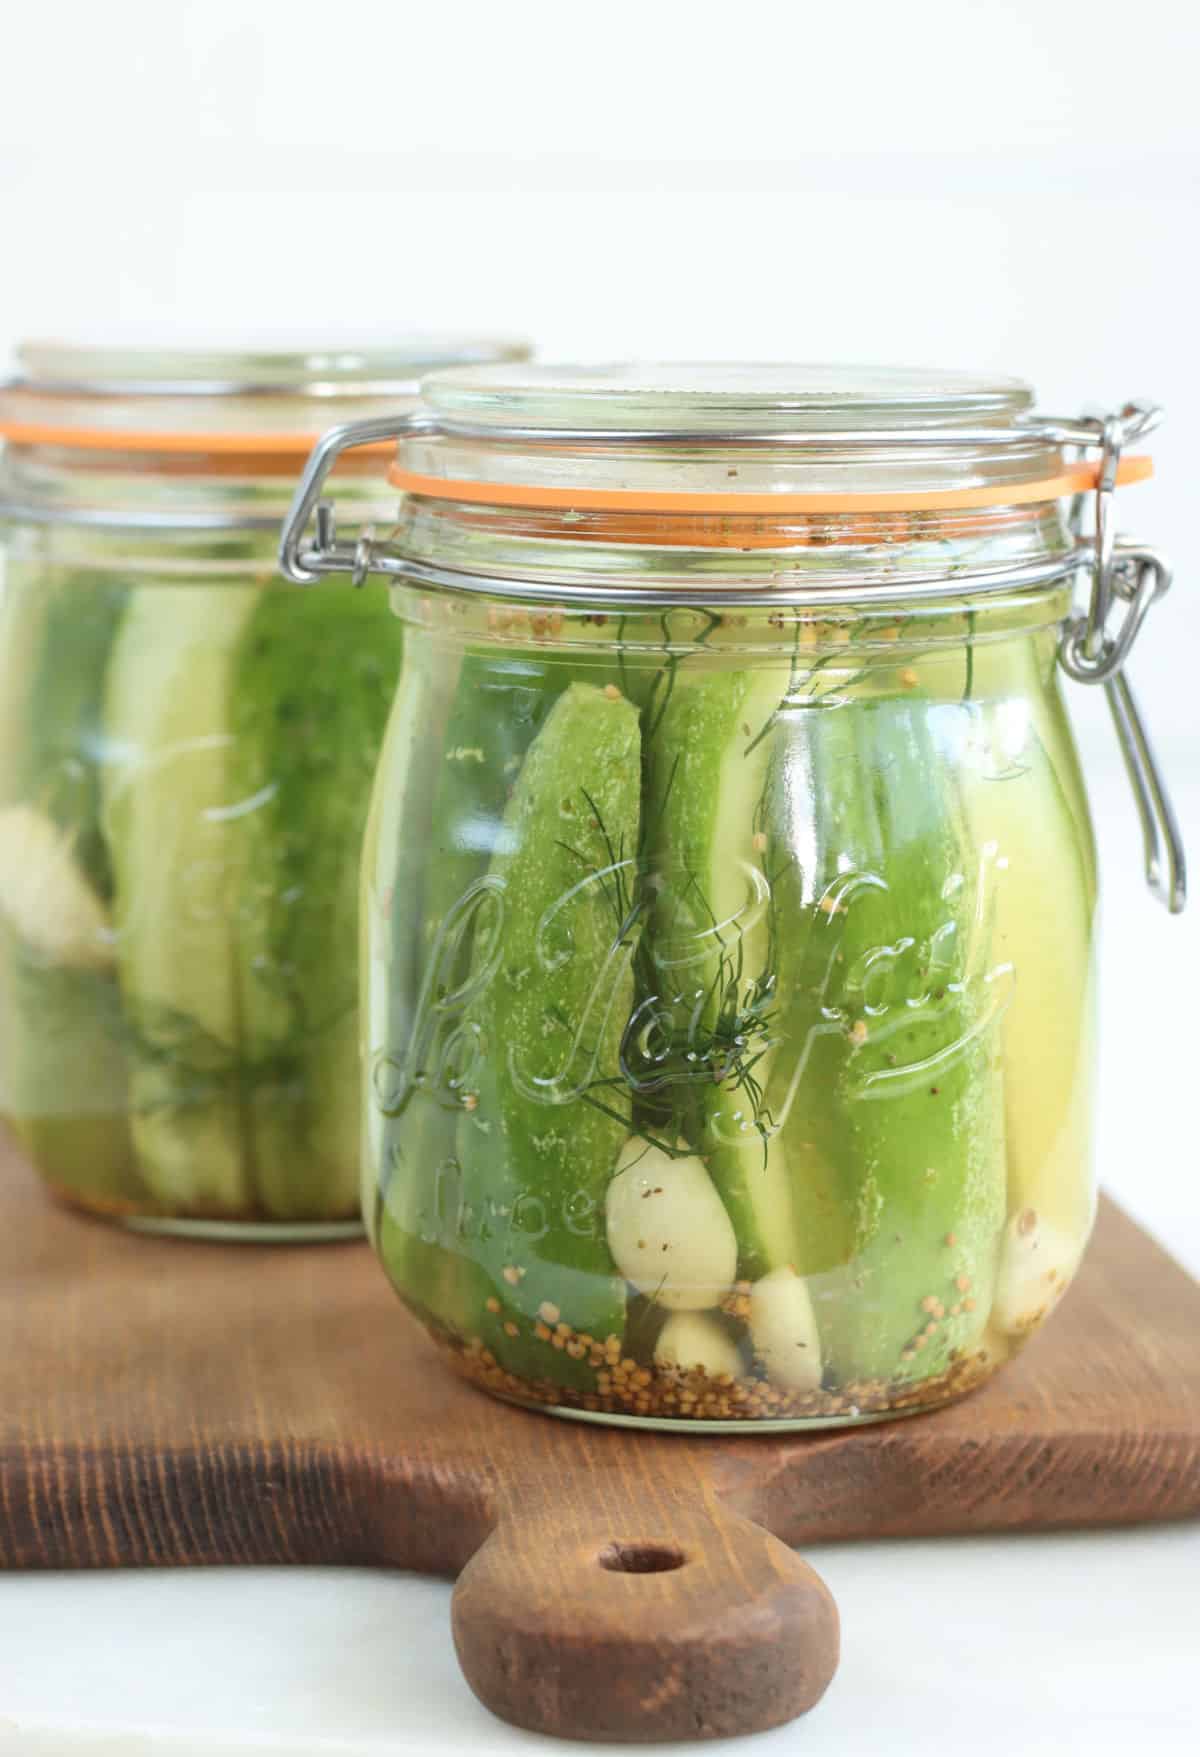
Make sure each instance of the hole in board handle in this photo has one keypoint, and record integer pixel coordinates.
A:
(640, 1558)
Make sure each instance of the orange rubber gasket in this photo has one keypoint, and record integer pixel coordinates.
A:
(108, 439)
(1076, 480)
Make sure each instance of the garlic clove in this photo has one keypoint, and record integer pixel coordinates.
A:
(668, 1230)
(46, 897)
(1037, 1262)
(691, 1340)
(783, 1327)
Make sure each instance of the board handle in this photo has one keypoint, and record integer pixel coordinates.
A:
(667, 1620)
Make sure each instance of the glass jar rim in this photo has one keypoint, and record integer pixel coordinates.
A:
(724, 397)
(239, 395)
(742, 438)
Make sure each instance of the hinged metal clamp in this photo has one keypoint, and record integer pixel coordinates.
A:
(1128, 578)
(1136, 576)
(304, 563)
(1124, 575)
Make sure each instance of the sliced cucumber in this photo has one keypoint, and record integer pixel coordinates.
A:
(176, 849)
(712, 938)
(904, 1100)
(498, 704)
(311, 685)
(552, 990)
(391, 952)
(1026, 802)
(63, 1074)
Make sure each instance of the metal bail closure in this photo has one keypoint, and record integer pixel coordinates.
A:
(1134, 577)
(303, 564)
(1126, 577)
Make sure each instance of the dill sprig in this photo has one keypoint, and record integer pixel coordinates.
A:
(727, 1030)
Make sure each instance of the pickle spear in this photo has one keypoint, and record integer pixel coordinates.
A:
(712, 942)
(539, 1136)
(901, 1093)
(175, 845)
(63, 1070)
(312, 682)
(499, 704)
(1026, 802)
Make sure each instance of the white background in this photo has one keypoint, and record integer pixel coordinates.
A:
(1012, 186)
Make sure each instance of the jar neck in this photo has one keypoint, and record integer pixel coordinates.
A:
(858, 560)
(162, 491)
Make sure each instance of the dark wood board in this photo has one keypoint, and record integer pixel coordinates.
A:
(168, 1403)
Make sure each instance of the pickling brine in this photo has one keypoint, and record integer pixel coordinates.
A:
(729, 888)
(183, 785)
(186, 753)
(732, 1046)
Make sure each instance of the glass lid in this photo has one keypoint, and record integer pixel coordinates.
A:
(138, 391)
(747, 437)
(721, 397)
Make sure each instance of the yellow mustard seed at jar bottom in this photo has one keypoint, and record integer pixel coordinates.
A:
(666, 1393)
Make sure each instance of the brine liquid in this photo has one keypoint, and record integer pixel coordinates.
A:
(184, 774)
(728, 1022)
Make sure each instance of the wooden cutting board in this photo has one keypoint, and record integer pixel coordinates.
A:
(171, 1403)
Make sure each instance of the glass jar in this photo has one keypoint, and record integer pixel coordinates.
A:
(186, 756)
(729, 889)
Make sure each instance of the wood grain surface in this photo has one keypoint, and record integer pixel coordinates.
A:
(177, 1403)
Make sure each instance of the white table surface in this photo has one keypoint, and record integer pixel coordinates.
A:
(1010, 1646)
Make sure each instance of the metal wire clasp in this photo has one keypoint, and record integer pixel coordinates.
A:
(1131, 577)
(1125, 576)
(1131, 573)
(304, 563)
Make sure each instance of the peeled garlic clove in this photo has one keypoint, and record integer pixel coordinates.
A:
(45, 896)
(668, 1230)
(1037, 1262)
(783, 1327)
(692, 1339)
